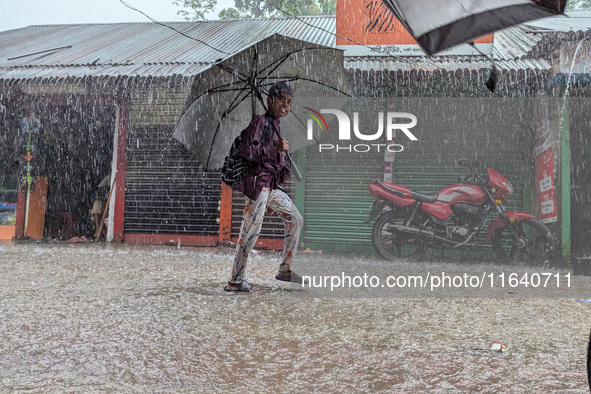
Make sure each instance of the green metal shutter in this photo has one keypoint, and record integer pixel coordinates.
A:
(337, 201)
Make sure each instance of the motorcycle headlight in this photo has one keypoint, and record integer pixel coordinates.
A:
(509, 187)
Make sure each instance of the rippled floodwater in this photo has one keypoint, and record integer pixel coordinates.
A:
(86, 318)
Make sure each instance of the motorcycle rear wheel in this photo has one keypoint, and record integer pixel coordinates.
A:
(392, 246)
(533, 248)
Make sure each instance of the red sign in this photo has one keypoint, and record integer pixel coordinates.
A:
(545, 185)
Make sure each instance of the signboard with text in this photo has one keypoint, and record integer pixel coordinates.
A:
(545, 186)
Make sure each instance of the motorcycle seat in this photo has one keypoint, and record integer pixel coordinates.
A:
(421, 197)
(425, 197)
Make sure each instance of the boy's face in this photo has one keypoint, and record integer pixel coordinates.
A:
(279, 105)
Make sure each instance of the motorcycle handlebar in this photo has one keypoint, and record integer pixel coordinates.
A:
(480, 181)
(475, 180)
(474, 176)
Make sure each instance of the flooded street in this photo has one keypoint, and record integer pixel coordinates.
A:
(87, 318)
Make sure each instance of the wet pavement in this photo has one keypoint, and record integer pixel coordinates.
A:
(122, 318)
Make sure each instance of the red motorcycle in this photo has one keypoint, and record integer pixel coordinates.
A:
(408, 222)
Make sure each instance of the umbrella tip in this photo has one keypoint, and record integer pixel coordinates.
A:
(493, 78)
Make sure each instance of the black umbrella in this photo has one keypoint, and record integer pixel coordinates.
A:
(441, 24)
(225, 96)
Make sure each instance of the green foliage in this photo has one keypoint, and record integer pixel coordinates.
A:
(257, 8)
(578, 4)
(198, 8)
(230, 13)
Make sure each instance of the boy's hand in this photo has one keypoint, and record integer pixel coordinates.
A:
(282, 145)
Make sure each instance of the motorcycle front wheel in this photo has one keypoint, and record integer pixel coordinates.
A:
(533, 245)
(392, 246)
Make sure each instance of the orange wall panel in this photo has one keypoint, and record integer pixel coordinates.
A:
(370, 22)
(37, 205)
(7, 232)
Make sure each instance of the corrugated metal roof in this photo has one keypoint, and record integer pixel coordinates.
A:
(443, 64)
(514, 43)
(145, 70)
(149, 49)
(573, 21)
(142, 49)
(517, 42)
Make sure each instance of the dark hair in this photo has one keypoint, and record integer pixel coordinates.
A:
(280, 87)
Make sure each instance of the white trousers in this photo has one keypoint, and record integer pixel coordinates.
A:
(252, 221)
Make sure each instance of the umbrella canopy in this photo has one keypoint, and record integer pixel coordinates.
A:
(225, 96)
(442, 24)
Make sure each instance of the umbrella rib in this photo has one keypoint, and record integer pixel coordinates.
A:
(219, 89)
(232, 71)
(233, 106)
(279, 62)
(253, 78)
(295, 78)
(246, 79)
(211, 147)
(230, 83)
(282, 59)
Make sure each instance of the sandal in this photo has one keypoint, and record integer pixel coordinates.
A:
(291, 276)
(244, 287)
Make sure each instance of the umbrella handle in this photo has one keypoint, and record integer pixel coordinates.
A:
(295, 168)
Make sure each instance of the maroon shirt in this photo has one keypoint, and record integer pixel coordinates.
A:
(269, 169)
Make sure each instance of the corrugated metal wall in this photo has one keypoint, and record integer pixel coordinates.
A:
(167, 191)
(158, 102)
(337, 200)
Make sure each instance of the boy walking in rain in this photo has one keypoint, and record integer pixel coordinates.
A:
(264, 147)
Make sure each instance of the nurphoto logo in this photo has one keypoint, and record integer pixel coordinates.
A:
(402, 121)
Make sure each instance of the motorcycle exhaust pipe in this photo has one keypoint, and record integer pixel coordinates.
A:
(424, 235)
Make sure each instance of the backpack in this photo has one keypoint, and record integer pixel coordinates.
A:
(236, 167)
